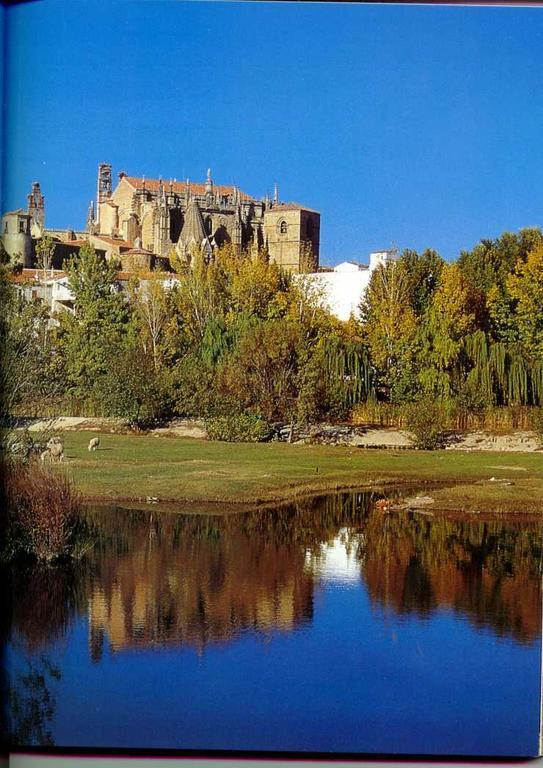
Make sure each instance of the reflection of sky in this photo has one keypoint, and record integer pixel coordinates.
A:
(349, 681)
(351, 677)
(336, 561)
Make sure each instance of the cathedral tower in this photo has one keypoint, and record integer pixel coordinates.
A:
(36, 210)
(103, 188)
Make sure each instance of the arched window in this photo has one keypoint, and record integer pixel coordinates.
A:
(283, 227)
(208, 225)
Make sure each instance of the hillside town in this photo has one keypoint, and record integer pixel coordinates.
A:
(144, 224)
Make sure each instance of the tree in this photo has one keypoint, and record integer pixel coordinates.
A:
(45, 250)
(389, 326)
(488, 267)
(525, 286)
(151, 306)
(450, 317)
(101, 321)
(260, 374)
(30, 371)
(423, 272)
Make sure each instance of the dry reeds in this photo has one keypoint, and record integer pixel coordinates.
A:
(41, 506)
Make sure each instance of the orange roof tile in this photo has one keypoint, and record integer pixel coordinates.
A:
(180, 187)
(29, 275)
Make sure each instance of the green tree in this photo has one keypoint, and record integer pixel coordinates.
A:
(450, 317)
(423, 272)
(389, 327)
(101, 321)
(45, 250)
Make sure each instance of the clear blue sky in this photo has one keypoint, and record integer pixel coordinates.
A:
(419, 126)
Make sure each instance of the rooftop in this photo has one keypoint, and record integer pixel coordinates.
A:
(153, 185)
(292, 207)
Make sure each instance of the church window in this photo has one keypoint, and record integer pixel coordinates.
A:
(6, 228)
(208, 225)
(283, 227)
(21, 226)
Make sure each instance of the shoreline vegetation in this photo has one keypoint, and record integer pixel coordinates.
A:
(244, 346)
(162, 470)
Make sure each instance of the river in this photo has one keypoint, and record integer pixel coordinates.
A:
(327, 625)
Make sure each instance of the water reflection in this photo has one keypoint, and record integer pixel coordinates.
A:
(275, 600)
(189, 580)
(487, 571)
(156, 579)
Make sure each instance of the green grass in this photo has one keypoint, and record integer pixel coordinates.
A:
(132, 467)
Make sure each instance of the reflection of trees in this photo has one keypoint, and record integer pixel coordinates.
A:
(200, 579)
(484, 570)
(195, 581)
(157, 578)
(32, 707)
(45, 601)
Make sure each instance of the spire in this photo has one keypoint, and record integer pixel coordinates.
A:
(90, 218)
(275, 193)
(209, 183)
(161, 197)
(36, 204)
(193, 229)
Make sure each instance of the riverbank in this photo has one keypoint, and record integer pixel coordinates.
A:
(354, 435)
(153, 467)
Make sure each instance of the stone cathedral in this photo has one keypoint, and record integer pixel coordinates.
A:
(156, 216)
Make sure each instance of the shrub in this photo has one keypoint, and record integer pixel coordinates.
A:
(537, 424)
(238, 428)
(133, 390)
(376, 414)
(427, 421)
(40, 508)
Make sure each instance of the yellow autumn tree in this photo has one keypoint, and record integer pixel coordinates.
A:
(526, 288)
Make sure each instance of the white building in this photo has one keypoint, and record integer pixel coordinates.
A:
(342, 288)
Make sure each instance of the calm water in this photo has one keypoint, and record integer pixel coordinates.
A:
(326, 626)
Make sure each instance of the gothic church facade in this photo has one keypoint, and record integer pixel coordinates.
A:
(157, 217)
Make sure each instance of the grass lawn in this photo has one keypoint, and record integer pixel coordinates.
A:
(133, 467)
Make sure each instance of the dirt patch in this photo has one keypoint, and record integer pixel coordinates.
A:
(484, 441)
(382, 438)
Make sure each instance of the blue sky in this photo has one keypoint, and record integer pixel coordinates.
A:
(416, 126)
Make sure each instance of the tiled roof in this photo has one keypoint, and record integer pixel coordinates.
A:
(29, 275)
(180, 187)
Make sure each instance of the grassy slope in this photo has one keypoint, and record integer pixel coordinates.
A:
(133, 467)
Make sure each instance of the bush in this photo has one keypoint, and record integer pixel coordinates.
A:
(537, 424)
(427, 421)
(238, 428)
(40, 508)
(133, 390)
(376, 414)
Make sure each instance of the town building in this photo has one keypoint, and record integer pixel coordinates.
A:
(341, 289)
(143, 222)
